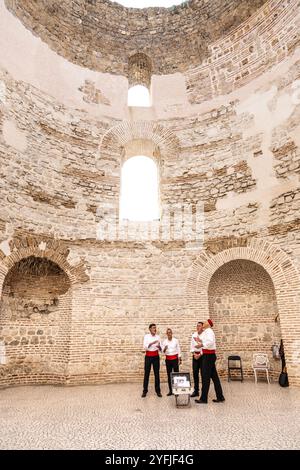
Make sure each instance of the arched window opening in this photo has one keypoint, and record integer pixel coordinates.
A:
(138, 95)
(139, 78)
(139, 190)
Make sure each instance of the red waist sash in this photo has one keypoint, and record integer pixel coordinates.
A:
(172, 358)
(151, 353)
(209, 351)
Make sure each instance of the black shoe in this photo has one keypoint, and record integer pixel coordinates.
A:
(201, 402)
(169, 394)
(159, 394)
(218, 400)
(144, 394)
(195, 394)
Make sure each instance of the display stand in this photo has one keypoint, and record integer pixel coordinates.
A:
(181, 388)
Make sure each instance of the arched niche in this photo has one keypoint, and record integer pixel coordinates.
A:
(243, 307)
(285, 278)
(35, 321)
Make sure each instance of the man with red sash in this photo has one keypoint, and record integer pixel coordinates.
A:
(209, 371)
(152, 348)
(171, 348)
(196, 350)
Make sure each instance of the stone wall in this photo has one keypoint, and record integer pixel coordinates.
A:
(63, 138)
(265, 39)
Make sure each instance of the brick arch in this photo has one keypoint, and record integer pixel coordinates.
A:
(52, 251)
(118, 136)
(285, 278)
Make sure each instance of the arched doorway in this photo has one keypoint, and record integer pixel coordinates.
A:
(35, 318)
(242, 304)
(283, 273)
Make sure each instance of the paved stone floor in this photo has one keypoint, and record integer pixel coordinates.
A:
(116, 417)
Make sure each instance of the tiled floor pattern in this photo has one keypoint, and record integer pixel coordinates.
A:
(116, 417)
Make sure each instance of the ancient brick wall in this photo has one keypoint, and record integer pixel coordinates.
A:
(230, 144)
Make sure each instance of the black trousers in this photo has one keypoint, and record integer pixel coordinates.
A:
(172, 366)
(154, 361)
(197, 367)
(209, 371)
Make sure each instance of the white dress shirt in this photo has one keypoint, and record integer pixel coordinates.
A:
(149, 339)
(194, 343)
(173, 347)
(208, 339)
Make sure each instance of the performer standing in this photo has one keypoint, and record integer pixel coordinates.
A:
(196, 350)
(171, 348)
(152, 348)
(209, 371)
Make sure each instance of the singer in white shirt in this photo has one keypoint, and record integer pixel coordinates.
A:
(170, 347)
(196, 350)
(209, 371)
(152, 347)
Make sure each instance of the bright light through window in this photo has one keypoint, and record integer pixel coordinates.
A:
(139, 190)
(138, 95)
(149, 3)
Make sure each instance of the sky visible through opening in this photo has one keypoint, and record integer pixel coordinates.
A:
(138, 95)
(139, 190)
(148, 3)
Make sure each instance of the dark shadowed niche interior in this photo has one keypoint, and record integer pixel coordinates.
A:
(35, 317)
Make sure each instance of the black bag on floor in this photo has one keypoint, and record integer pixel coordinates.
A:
(283, 380)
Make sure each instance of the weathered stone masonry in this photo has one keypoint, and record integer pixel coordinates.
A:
(227, 136)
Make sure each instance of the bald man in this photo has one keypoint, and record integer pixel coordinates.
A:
(170, 347)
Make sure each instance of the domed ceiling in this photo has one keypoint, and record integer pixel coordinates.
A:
(148, 3)
(102, 35)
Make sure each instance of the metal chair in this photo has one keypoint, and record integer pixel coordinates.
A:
(261, 362)
(231, 367)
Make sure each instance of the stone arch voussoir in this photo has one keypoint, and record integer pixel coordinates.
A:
(118, 136)
(53, 250)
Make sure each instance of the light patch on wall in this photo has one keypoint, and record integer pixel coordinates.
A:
(2, 92)
(42, 246)
(5, 248)
(2, 353)
(14, 137)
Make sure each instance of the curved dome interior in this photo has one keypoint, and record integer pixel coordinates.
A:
(103, 35)
(148, 3)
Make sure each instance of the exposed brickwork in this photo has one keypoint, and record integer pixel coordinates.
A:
(107, 45)
(266, 39)
(61, 160)
(91, 94)
(209, 186)
(287, 160)
(285, 208)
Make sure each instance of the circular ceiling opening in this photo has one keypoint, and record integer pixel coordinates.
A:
(148, 3)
